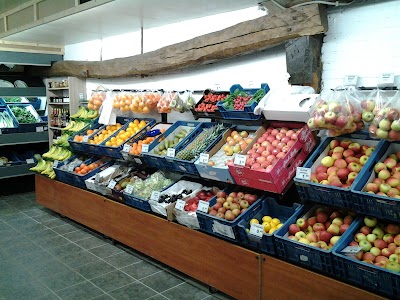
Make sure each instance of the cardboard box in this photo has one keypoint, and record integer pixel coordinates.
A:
(284, 170)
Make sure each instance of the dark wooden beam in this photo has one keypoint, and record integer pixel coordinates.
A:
(243, 38)
(303, 61)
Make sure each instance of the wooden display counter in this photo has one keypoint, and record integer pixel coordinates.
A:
(201, 256)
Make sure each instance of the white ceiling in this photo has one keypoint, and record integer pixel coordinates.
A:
(123, 16)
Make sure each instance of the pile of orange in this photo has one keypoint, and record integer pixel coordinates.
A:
(136, 102)
(96, 100)
(134, 127)
(136, 148)
(83, 169)
(104, 133)
(79, 138)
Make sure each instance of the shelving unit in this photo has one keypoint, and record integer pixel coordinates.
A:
(75, 91)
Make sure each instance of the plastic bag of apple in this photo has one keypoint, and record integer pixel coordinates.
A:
(372, 104)
(339, 113)
(386, 123)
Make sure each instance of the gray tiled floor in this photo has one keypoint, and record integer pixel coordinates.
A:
(43, 256)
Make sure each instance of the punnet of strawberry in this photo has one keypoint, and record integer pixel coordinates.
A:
(209, 103)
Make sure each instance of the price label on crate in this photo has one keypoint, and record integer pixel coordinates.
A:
(223, 230)
(303, 173)
(386, 79)
(126, 148)
(180, 204)
(112, 184)
(257, 230)
(155, 195)
(129, 189)
(39, 129)
(204, 157)
(203, 206)
(30, 161)
(138, 161)
(71, 168)
(55, 164)
(171, 152)
(85, 139)
(145, 148)
(240, 160)
(351, 250)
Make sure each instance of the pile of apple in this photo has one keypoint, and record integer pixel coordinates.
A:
(386, 124)
(229, 207)
(192, 203)
(380, 245)
(322, 230)
(269, 223)
(387, 181)
(338, 117)
(341, 166)
(270, 147)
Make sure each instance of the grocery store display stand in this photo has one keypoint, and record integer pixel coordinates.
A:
(236, 271)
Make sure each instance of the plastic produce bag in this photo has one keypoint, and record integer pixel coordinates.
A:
(97, 98)
(339, 113)
(151, 99)
(163, 105)
(386, 123)
(372, 104)
(155, 182)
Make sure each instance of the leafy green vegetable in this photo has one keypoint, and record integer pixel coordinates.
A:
(23, 115)
(257, 97)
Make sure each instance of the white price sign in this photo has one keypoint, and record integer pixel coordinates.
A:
(126, 148)
(204, 157)
(138, 161)
(71, 167)
(81, 96)
(203, 206)
(112, 184)
(386, 79)
(145, 148)
(1, 163)
(350, 80)
(351, 250)
(30, 161)
(257, 230)
(55, 164)
(171, 152)
(39, 129)
(0, 131)
(155, 195)
(129, 189)
(180, 204)
(303, 173)
(240, 160)
(85, 138)
(223, 230)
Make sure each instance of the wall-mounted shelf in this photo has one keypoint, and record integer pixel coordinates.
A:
(16, 171)
(24, 138)
(23, 92)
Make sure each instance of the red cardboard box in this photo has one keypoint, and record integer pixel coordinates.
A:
(285, 169)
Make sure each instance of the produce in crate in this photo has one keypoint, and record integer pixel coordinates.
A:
(5, 120)
(136, 147)
(209, 103)
(134, 127)
(193, 202)
(58, 153)
(170, 198)
(322, 228)
(84, 169)
(379, 243)
(103, 133)
(155, 182)
(62, 141)
(200, 143)
(387, 177)
(372, 104)
(269, 223)
(171, 141)
(23, 115)
(270, 147)
(75, 126)
(229, 207)
(84, 113)
(343, 163)
(239, 99)
(386, 124)
(43, 167)
(339, 113)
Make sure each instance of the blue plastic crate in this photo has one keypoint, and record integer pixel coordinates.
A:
(225, 229)
(369, 276)
(28, 127)
(303, 254)
(330, 195)
(83, 147)
(64, 175)
(16, 124)
(115, 152)
(159, 162)
(248, 112)
(188, 166)
(35, 102)
(271, 208)
(371, 204)
(12, 158)
(79, 180)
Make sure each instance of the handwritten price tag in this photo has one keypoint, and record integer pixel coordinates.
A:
(204, 157)
(180, 204)
(55, 164)
(85, 138)
(126, 148)
(112, 184)
(171, 152)
(203, 206)
(30, 161)
(240, 160)
(129, 189)
(257, 230)
(145, 148)
(303, 173)
(155, 195)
